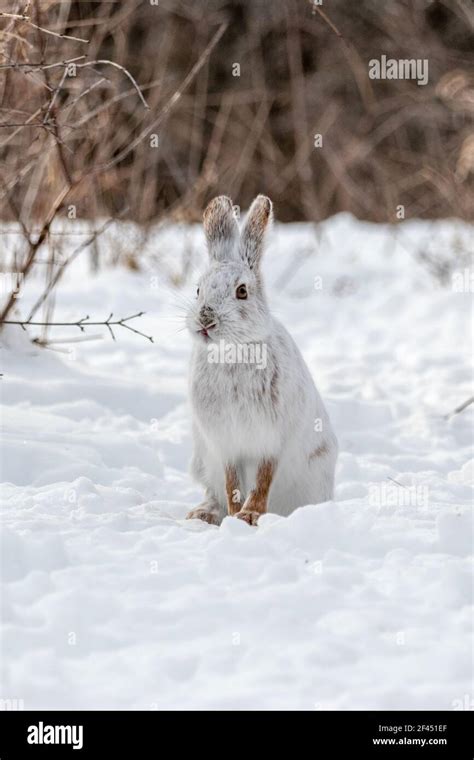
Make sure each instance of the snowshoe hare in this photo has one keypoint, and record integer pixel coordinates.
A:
(262, 437)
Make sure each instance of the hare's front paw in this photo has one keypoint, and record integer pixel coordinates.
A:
(203, 514)
(249, 516)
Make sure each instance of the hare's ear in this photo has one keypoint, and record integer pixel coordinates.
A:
(253, 232)
(221, 228)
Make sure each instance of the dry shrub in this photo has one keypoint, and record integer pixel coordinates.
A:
(303, 71)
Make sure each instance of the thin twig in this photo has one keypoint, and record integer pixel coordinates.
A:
(55, 94)
(34, 246)
(397, 483)
(83, 323)
(324, 16)
(42, 66)
(24, 124)
(46, 342)
(461, 407)
(30, 119)
(27, 20)
(121, 68)
(89, 89)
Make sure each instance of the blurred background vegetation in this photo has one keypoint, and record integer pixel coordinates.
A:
(171, 102)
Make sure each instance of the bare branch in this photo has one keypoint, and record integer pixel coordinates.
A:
(83, 323)
(55, 94)
(27, 20)
(121, 68)
(42, 66)
(461, 407)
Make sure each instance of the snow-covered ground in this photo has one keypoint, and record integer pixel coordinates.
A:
(110, 599)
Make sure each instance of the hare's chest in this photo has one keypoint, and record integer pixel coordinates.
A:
(237, 402)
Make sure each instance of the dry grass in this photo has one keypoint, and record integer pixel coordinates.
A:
(148, 121)
(385, 143)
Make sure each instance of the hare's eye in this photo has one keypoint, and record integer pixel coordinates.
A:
(197, 292)
(241, 292)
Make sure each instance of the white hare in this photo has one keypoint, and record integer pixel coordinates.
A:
(262, 437)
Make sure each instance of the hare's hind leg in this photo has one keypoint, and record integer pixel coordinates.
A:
(208, 511)
(255, 504)
(211, 509)
(233, 489)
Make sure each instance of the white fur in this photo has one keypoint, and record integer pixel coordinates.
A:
(243, 414)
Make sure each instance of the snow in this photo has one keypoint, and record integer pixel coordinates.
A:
(111, 600)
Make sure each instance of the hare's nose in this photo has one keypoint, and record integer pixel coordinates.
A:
(207, 316)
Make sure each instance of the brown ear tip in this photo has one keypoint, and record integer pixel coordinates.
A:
(265, 203)
(219, 203)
